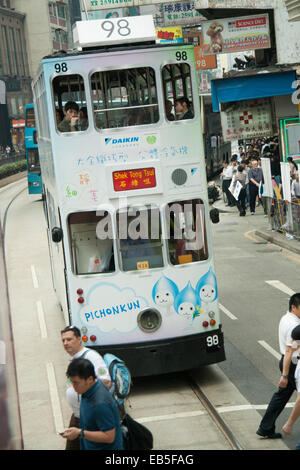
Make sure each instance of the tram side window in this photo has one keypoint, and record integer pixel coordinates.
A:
(70, 103)
(124, 98)
(140, 243)
(91, 252)
(177, 85)
(186, 234)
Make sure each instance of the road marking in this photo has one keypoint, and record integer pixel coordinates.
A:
(41, 318)
(279, 285)
(229, 314)
(191, 414)
(34, 278)
(55, 403)
(246, 234)
(270, 349)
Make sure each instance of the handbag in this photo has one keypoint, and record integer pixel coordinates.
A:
(136, 436)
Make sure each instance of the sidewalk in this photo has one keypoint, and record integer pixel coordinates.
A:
(262, 227)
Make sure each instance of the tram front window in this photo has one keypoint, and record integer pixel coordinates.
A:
(91, 244)
(30, 118)
(70, 103)
(139, 232)
(177, 85)
(124, 98)
(186, 235)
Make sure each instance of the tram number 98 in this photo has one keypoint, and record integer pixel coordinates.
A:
(122, 27)
(212, 342)
(181, 55)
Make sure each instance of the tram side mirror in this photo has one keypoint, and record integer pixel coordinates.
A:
(215, 216)
(57, 234)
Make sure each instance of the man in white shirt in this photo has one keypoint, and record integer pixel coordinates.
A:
(226, 175)
(295, 187)
(287, 379)
(71, 339)
(288, 427)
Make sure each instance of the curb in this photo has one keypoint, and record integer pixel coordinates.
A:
(282, 243)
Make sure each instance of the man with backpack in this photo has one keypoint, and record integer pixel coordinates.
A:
(99, 427)
(71, 339)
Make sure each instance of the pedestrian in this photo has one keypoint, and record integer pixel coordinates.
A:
(295, 187)
(241, 177)
(226, 180)
(288, 426)
(255, 177)
(287, 380)
(71, 339)
(99, 425)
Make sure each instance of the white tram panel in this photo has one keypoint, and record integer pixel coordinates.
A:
(106, 305)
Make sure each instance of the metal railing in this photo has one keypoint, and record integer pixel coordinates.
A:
(284, 216)
(11, 157)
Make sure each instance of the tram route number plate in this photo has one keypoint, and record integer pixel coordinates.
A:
(114, 31)
(212, 343)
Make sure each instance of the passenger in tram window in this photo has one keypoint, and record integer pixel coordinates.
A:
(183, 107)
(59, 115)
(83, 119)
(168, 107)
(70, 121)
(72, 343)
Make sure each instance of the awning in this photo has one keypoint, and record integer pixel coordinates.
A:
(246, 87)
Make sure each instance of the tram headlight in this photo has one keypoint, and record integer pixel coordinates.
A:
(149, 320)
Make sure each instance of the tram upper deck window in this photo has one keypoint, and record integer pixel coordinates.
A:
(91, 252)
(124, 98)
(186, 235)
(140, 241)
(178, 91)
(70, 103)
(30, 118)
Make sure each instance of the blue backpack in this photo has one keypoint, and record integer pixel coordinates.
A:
(120, 377)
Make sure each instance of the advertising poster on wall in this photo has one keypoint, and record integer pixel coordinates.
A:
(223, 36)
(169, 35)
(247, 119)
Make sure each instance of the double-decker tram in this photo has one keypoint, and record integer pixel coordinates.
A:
(126, 196)
(34, 176)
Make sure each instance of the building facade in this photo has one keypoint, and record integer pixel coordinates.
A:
(14, 69)
(46, 28)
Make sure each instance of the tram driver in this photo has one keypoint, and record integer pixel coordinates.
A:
(70, 121)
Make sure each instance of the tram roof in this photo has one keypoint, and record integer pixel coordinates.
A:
(112, 48)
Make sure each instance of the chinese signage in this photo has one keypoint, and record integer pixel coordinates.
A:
(247, 119)
(127, 180)
(204, 61)
(236, 34)
(182, 13)
(170, 35)
(234, 4)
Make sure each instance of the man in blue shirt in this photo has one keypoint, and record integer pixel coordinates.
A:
(100, 427)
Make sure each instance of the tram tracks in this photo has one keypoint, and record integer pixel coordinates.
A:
(213, 413)
(11, 201)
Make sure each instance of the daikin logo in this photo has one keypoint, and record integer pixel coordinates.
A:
(123, 140)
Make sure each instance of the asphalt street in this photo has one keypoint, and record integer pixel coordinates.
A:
(245, 264)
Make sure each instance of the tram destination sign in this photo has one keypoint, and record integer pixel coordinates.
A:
(114, 31)
(128, 180)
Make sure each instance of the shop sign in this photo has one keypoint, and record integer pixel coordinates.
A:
(247, 119)
(204, 61)
(236, 34)
(235, 4)
(16, 123)
(182, 13)
(169, 35)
